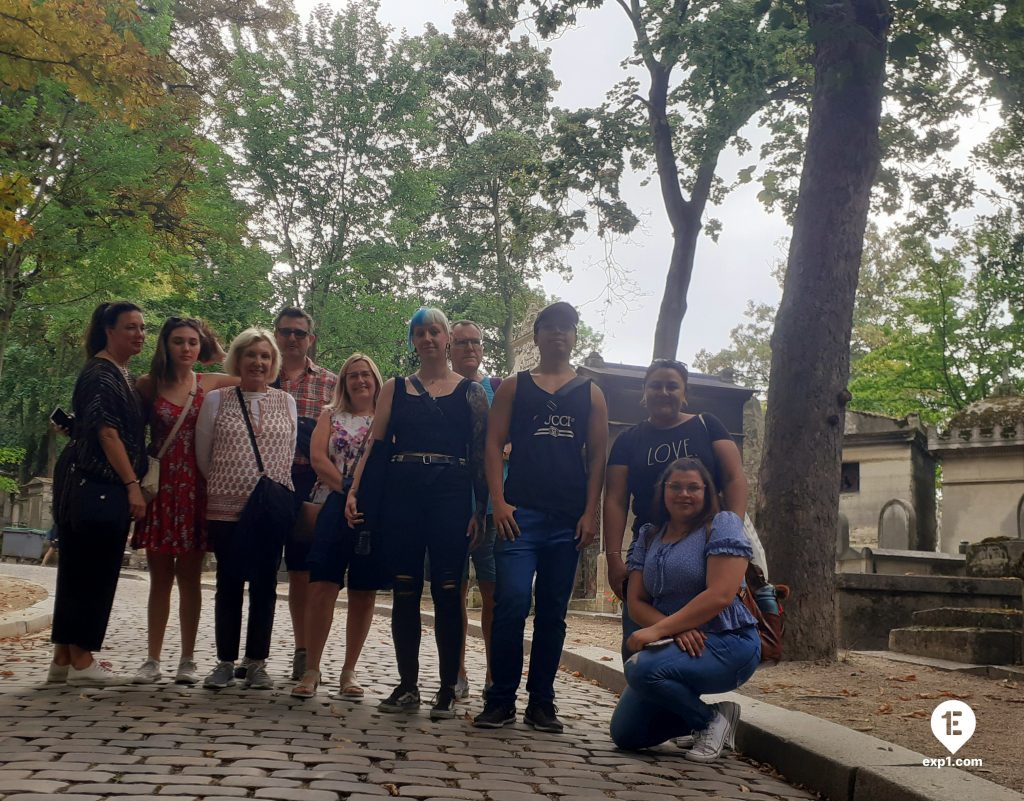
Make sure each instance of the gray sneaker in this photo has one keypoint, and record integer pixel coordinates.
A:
(298, 664)
(149, 673)
(223, 676)
(187, 673)
(462, 689)
(257, 678)
(242, 668)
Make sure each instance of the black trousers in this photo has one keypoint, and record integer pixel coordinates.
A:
(427, 509)
(227, 608)
(87, 573)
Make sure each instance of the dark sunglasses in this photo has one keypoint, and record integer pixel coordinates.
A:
(298, 333)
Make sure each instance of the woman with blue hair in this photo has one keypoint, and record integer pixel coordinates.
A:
(435, 420)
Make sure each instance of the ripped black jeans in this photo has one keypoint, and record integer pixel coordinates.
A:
(427, 510)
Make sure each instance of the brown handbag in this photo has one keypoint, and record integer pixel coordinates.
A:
(770, 625)
(305, 524)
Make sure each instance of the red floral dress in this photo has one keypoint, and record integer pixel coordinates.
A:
(175, 521)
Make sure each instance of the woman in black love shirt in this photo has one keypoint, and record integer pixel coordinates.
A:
(641, 453)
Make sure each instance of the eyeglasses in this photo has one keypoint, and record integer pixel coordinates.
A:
(298, 333)
(467, 343)
(364, 375)
(689, 489)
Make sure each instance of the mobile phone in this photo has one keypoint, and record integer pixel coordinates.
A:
(661, 642)
(62, 419)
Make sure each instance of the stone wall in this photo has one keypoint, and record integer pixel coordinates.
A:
(870, 605)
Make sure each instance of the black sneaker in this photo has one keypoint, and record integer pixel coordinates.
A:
(401, 700)
(542, 716)
(495, 716)
(444, 704)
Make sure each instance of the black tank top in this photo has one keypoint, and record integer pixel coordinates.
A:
(420, 429)
(546, 470)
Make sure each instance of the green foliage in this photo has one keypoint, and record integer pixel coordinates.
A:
(327, 118)
(8, 458)
(503, 214)
(934, 329)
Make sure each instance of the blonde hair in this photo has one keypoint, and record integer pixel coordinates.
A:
(247, 339)
(340, 401)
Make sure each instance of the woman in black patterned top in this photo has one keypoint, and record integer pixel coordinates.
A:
(104, 493)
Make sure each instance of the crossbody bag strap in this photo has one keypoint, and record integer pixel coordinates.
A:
(248, 426)
(422, 390)
(181, 419)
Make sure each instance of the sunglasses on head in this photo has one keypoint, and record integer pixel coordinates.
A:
(298, 333)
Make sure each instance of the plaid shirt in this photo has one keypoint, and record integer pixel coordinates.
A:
(312, 390)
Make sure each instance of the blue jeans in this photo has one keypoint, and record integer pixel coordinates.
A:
(545, 548)
(662, 699)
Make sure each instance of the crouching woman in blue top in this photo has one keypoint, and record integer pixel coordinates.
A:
(685, 572)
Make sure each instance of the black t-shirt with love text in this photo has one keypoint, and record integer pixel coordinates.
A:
(646, 451)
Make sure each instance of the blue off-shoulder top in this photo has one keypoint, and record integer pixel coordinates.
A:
(676, 573)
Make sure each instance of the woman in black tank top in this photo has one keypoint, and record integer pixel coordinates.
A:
(434, 423)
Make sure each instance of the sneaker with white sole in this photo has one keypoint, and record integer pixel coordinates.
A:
(187, 673)
(462, 689)
(685, 741)
(257, 677)
(719, 734)
(222, 676)
(149, 673)
(444, 704)
(98, 674)
(57, 674)
(401, 700)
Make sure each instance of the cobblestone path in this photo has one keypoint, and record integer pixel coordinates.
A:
(169, 742)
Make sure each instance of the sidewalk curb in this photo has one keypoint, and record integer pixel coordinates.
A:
(30, 619)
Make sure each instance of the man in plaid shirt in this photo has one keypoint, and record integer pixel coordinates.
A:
(312, 387)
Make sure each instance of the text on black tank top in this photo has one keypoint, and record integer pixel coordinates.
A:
(546, 470)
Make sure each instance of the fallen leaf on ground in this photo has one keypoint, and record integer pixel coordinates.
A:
(884, 709)
(605, 659)
(908, 677)
(917, 713)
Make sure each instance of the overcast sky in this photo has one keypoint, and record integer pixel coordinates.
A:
(726, 275)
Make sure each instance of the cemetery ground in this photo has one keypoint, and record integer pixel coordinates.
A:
(888, 700)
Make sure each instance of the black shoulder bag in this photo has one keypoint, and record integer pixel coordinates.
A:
(269, 514)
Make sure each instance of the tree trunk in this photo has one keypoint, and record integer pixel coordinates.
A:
(807, 395)
(684, 215)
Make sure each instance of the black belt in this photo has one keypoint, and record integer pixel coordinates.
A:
(428, 458)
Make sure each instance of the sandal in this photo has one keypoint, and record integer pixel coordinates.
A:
(350, 688)
(306, 688)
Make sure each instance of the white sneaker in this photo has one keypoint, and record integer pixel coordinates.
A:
(719, 734)
(685, 741)
(149, 673)
(57, 674)
(98, 674)
(187, 673)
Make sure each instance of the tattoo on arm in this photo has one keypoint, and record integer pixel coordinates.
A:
(478, 435)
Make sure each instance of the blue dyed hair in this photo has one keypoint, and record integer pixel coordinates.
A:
(427, 315)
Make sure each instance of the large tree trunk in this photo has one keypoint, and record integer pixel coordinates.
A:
(807, 395)
(684, 215)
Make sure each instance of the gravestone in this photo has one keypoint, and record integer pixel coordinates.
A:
(897, 526)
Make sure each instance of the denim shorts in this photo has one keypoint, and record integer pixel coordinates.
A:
(483, 555)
